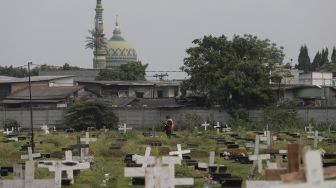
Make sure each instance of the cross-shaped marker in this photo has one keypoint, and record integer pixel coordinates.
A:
(310, 128)
(45, 128)
(87, 140)
(80, 148)
(67, 165)
(144, 160)
(257, 158)
(7, 132)
(314, 173)
(218, 127)
(205, 125)
(30, 155)
(179, 151)
(124, 128)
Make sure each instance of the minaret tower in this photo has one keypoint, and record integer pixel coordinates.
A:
(99, 51)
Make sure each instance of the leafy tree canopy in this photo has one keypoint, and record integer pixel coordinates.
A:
(233, 73)
(91, 114)
(129, 71)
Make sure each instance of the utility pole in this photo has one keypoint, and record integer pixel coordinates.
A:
(31, 108)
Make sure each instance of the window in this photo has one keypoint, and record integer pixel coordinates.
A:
(139, 94)
(160, 94)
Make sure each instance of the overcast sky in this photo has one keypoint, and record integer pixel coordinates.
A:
(54, 31)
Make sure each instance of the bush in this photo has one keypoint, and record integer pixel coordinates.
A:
(9, 123)
(91, 114)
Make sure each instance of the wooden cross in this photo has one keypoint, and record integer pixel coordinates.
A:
(146, 159)
(87, 140)
(205, 125)
(124, 128)
(30, 156)
(314, 174)
(218, 127)
(257, 158)
(179, 151)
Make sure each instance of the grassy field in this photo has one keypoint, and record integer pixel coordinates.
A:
(111, 161)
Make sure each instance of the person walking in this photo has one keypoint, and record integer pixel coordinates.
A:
(169, 126)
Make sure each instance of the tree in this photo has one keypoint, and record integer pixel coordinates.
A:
(333, 55)
(91, 114)
(66, 66)
(232, 73)
(13, 71)
(304, 60)
(324, 57)
(317, 62)
(129, 71)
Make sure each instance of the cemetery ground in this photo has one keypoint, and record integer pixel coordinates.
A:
(110, 160)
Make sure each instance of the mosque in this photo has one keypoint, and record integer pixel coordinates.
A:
(115, 51)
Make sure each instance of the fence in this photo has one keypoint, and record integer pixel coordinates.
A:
(140, 117)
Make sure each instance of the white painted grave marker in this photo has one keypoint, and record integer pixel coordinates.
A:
(87, 140)
(144, 160)
(314, 174)
(218, 127)
(45, 128)
(30, 155)
(179, 151)
(124, 128)
(257, 158)
(205, 125)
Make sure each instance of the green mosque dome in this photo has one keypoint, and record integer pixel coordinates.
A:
(119, 51)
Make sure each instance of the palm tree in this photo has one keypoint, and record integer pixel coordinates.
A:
(95, 41)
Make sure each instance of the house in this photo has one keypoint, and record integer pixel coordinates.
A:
(132, 89)
(316, 78)
(46, 91)
(9, 85)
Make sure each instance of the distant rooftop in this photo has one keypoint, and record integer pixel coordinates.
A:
(135, 83)
(6, 79)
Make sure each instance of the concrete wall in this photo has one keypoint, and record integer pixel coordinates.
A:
(139, 117)
(40, 116)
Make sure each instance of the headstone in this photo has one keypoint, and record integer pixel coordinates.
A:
(218, 127)
(293, 158)
(144, 160)
(80, 148)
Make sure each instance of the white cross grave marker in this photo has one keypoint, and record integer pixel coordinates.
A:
(314, 174)
(144, 160)
(45, 128)
(124, 128)
(205, 125)
(257, 158)
(218, 127)
(8, 132)
(87, 140)
(227, 128)
(316, 138)
(30, 155)
(179, 151)
(67, 165)
(309, 129)
(160, 176)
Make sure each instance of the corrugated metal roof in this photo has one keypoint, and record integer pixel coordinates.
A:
(45, 93)
(33, 79)
(134, 83)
